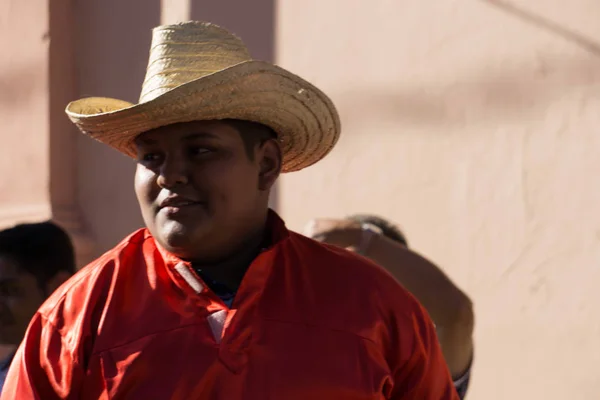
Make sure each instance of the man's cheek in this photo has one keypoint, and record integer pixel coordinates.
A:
(144, 182)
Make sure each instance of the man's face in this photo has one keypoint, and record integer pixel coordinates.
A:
(20, 298)
(198, 190)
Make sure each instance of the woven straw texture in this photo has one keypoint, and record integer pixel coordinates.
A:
(199, 71)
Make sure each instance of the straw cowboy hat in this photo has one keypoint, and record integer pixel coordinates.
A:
(199, 71)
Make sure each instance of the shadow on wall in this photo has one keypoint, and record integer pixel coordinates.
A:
(113, 38)
(479, 98)
(546, 24)
(495, 94)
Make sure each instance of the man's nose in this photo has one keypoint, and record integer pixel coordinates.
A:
(173, 172)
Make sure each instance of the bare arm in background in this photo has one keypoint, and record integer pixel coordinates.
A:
(450, 309)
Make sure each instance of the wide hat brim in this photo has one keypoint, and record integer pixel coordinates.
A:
(304, 118)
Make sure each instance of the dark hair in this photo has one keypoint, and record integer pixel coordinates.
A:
(252, 133)
(388, 229)
(41, 249)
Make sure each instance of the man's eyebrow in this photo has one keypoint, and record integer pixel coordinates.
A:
(192, 136)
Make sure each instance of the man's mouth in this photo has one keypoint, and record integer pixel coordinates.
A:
(177, 202)
(180, 204)
(174, 204)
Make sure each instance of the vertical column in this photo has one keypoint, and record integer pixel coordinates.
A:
(62, 88)
(253, 21)
(173, 11)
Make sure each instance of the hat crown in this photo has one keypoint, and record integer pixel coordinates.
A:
(187, 51)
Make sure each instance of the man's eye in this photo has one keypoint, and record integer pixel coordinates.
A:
(199, 151)
(150, 157)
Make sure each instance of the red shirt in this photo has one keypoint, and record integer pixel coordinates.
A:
(309, 321)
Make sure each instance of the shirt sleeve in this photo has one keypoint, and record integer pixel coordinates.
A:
(421, 372)
(43, 367)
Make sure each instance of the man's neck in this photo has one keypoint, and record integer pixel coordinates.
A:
(231, 270)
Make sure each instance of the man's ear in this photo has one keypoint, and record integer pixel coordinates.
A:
(58, 279)
(269, 156)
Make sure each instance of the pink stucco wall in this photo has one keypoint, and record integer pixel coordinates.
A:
(24, 112)
(475, 127)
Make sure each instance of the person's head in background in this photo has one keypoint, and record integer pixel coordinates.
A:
(351, 232)
(35, 259)
(387, 229)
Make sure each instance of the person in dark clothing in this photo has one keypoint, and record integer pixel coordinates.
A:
(34, 260)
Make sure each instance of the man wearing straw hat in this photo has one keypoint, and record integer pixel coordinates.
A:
(216, 299)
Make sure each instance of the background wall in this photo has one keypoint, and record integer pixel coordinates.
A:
(24, 107)
(474, 125)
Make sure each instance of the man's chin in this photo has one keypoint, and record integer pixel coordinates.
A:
(181, 238)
